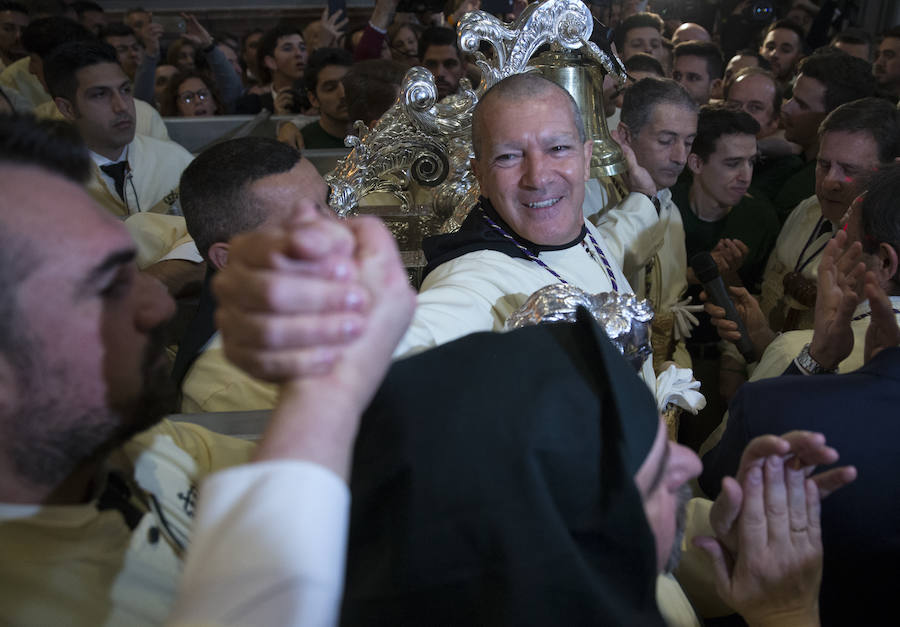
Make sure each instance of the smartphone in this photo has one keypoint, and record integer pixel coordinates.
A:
(171, 23)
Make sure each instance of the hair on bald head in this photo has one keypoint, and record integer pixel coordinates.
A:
(515, 89)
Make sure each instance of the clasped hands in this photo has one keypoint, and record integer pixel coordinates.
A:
(767, 553)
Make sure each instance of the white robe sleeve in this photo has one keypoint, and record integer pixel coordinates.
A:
(633, 232)
(268, 548)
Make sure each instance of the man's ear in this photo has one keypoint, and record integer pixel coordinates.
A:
(694, 163)
(269, 62)
(588, 151)
(311, 95)
(218, 255)
(715, 85)
(476, 169)
(624, 133)
(887, 265)
(66, 107)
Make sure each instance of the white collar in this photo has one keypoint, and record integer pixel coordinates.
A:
(101, 160)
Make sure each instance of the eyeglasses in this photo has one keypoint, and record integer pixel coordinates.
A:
(188, 97)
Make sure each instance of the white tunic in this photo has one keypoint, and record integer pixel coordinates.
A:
(792, 250)
(479, 290)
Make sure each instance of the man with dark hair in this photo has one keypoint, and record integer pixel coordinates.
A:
(26, 75)
(137, 18)
(325, 87)
(658, 123)
(716, 205)
(234, 187)
(757, 92)
(697, 66)
(13, 20)
(857, 139)
(638, 66)
(856, 331)
(93, 516)
(148, 180)
(887, 62)
(281, 61)
(131, 173)
(782, 46)
(440, 55)
(854, 41)
(825, 81)
(128, 49)
(90, 15)
(43, 36)
(641, 32)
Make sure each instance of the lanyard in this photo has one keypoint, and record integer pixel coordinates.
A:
(599, 258)
(801, 264)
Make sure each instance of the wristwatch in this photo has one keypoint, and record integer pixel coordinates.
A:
(808, 365)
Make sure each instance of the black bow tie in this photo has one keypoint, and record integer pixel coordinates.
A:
(117, 171)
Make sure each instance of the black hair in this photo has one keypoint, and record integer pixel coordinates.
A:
(267, 46)
(714, 121)
(44, 34)
(853, 36)
(706, 50)
(643, 62)
(788, 25)
(81, 7)
(371, 86)
(117, 29)
(438, 36)
(319, 60)
(10, 5)
(637, 20)
(62, 65)
(845, 77)
(879, 214)
(214, 188)
(875, 116)
(642, 97)
(53, 145)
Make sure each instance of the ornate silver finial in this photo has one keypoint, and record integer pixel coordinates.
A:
(417, 141)
(623, 317)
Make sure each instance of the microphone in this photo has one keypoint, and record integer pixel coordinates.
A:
(707, 273)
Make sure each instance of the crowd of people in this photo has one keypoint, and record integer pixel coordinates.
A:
(423, 465)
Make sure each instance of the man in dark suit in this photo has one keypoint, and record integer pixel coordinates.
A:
(855, 411)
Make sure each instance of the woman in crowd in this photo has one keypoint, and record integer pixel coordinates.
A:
(191, 94)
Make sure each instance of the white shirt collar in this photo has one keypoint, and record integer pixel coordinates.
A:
(101, 160)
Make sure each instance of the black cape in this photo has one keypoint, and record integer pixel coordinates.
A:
(492, 484)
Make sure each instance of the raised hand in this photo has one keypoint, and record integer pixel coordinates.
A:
(195, 33)
(773, 576)
(333, 28)
(637, 178)
(837, 295)
(150, 35)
